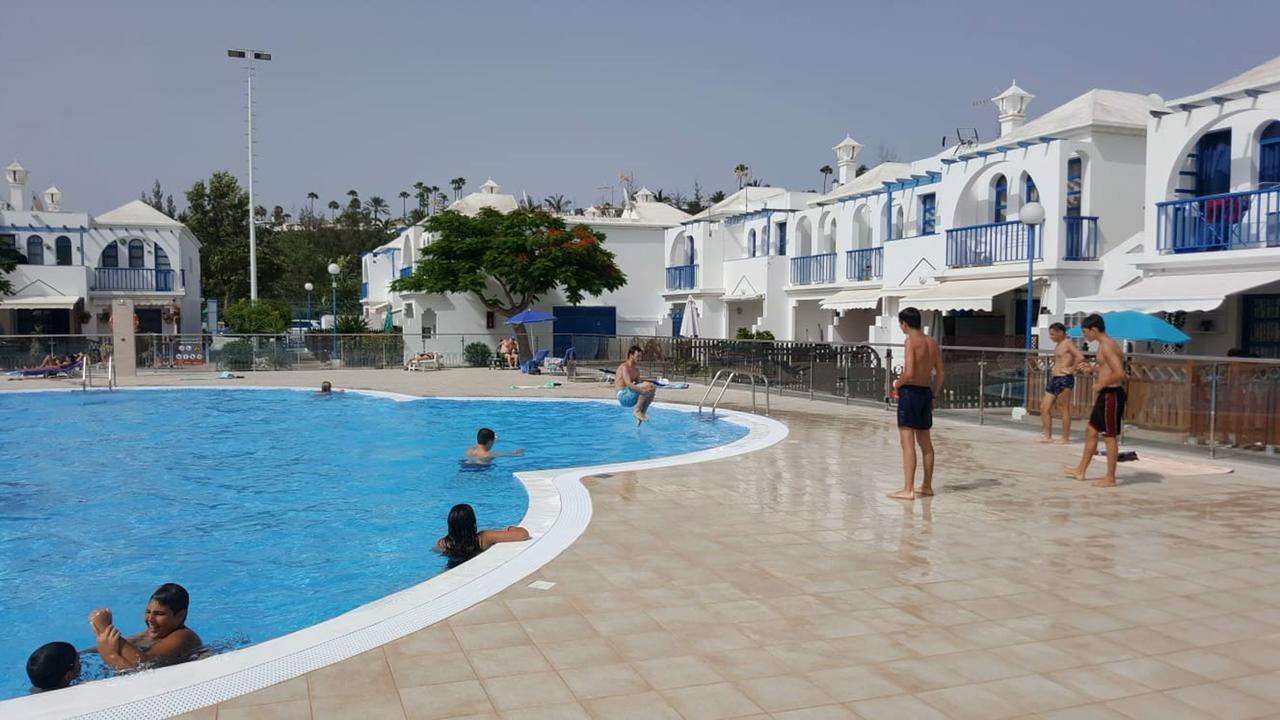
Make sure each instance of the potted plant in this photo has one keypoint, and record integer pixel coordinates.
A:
(104, 315)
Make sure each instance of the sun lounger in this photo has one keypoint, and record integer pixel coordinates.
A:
(46, 372)
(531, 367)
(423, 362)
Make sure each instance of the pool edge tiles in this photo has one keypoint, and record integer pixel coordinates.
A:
(558, 512)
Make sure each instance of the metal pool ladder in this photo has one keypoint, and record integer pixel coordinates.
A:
(728, 376)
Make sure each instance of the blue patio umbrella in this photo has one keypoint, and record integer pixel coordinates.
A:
(530, 316)
(1138, 327)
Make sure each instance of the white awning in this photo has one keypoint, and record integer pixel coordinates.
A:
(974, 294)
(1173, 293)
(39, 302)
(864, 299)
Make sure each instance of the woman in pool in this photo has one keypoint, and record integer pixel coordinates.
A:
(166, 640)
(463, 541)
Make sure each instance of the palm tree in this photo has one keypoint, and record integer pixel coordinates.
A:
(420, 194)
(557, 203)
(715, 197)
(312, 197)
(742, 172)
(826, 173)
(433, 193)
(376, 206)
(333, 209)
(458, 183)
(660, 195)
(404, 206)
(441, 199)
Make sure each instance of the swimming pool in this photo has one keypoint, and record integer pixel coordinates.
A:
(277, 509)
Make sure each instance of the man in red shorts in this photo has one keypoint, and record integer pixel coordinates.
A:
(1108, 406)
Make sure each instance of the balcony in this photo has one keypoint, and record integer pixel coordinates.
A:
(682, 277)
(1080, 238)
(866, 264)
(406, 271)
(813, 269)
(109, 279)
(990, 244)
(1210, 223)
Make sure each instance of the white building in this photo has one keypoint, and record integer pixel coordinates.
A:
(1209, 251)
(447, 322)
(74, 265)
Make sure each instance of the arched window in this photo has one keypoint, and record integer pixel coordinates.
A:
(1269, 154)
(35, 250)
(1030, 193)
(164, 272)
(751, 243)
(136, 258)
(1075, 186)
(162, 259)
(62, 248)
(110, 256)
(999, 199)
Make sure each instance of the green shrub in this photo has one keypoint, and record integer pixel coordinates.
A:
(477, 354)
(352, 325)
(266, 317)
(746, 334)
(237, 355)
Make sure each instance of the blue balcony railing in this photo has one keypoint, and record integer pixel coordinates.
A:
(682, 277)
(1229, 221)
(138, 279)
(813, 269)
(1080, 237)
(866, 264)
(364, 290)
(980, 245)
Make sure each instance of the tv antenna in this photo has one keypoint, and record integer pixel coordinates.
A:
(965, 139)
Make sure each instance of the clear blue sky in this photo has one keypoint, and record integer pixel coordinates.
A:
(101, 98)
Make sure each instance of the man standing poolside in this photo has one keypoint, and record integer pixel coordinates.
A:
(919, 382)
(1108, 407)
(1057, 393)
(632, 391)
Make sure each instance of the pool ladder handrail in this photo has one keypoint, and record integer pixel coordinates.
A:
(728, 380)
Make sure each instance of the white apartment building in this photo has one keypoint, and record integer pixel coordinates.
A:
(1208, 255)
(447, 322)
(74, 265)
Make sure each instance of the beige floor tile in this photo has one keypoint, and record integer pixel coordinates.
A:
(489, 611)
(286, 710)
(486, 636)
(578, 653)
(208, 713)
(598, 681)
(650, 706)
(528, 690)
(896, 707)
(1222, 701)
(567, 711)
(289, 690)
(784, 692)
(1265, 686)
(445, 700)
(1098, 683)
(433, 640)
(561, 628)
(1154, 674)
(1156, 705)
(970, 702)
(415, 670)
(675, 672)
(710, 702)
(528, 608)
(382, 706)
(857, 682)
(507, 661)
(365, 674)
(622, 622)
(825, 712)
(1208, 664)
(1084, 712)
(645, 646)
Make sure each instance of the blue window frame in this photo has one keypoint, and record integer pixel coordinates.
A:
(110, 255)
(1075, 186)
(62, 250)
(928, 214)
(1269, 154)
(1030, 193)
(1000, 200)
(782, 238)
(751, 243)
(136, 259)
(1213, 163)
(35, 250)
(693, 258)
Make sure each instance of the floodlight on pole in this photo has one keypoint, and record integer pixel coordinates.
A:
(249, 56)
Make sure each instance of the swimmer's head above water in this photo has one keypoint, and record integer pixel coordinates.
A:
(326, 387)
(166, 610)
(53, 666)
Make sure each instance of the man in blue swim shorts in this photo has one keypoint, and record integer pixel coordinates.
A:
(1057, 392)
(916, 386)
(632, 391)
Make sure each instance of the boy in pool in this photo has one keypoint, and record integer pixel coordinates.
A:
(166, 640)
(482, 451)
(632, 391)
(53, 666)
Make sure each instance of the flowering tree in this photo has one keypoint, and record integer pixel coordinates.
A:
(509, 261)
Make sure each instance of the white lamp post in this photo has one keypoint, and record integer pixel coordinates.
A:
(1031, 215)
(333, 273)
(309, 287)
(249, 56)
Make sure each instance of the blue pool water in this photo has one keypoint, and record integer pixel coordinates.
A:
(276, 509)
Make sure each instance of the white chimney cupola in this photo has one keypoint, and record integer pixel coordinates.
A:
(53, 199)
(16, 176)
(847, 159)
(644, 196)
(1012, 106)
(490, 187)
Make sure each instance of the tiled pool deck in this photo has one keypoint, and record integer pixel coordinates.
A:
(784, 584)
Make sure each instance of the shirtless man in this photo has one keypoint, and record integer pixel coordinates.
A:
(632, 391)
(1066, 358)
(167, 639)
(482, 451)
(919, 382)
(1108, 407)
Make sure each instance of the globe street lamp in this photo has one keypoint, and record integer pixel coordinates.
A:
(309, 288)
(1031, 215)
(333, 272)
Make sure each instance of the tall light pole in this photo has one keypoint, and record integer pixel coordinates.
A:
(249, 56)
(309, 288)
(333, 273)
(1031, 215)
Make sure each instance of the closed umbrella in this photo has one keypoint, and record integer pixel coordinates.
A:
(690, 325)
(387, 321)
(1138, 327)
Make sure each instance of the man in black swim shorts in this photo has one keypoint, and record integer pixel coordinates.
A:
(917, 384)
(1057, 392)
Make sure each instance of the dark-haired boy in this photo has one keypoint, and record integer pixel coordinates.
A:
(1108, 406)
(1057, 392)
(167, 639)
(483, 449)
(53, 666)
(917, 385)
(632, 391)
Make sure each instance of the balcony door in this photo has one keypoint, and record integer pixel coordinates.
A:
(1213, 163)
